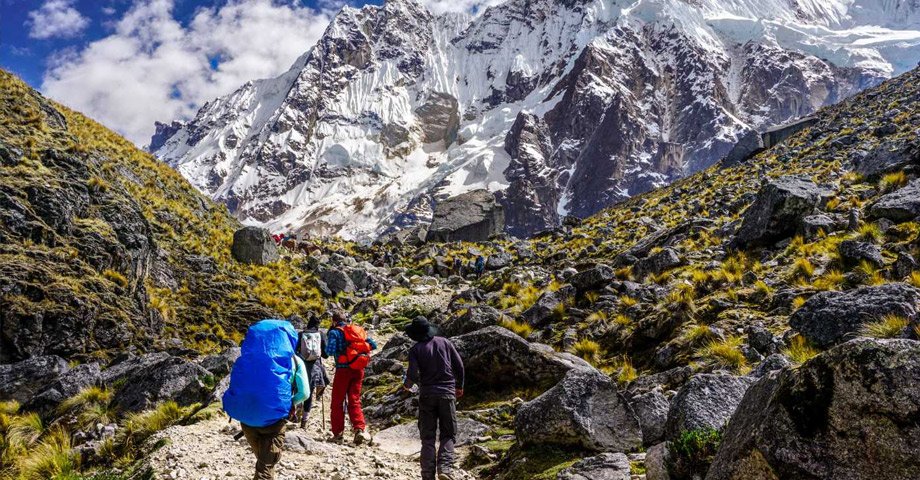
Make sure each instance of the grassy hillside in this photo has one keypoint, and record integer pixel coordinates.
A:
(104, 244)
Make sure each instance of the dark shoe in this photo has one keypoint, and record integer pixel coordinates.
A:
(447, 476)
(338, 439)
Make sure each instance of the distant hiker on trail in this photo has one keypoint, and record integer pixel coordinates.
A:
(458, 266)
(267, 381)
(480, 266)
(311, 349)
(349, 345)
(436, 367)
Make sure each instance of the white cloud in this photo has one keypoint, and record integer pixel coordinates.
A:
(56, 19)
(154, 68)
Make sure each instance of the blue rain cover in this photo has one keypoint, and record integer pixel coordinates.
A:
(260, 382)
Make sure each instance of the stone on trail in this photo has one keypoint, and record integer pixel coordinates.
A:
(254, 245)
(606, 466)
(829, 318)
(473, 217)
(849, 413)
(584, 410)
(404, 439)
(706, 401)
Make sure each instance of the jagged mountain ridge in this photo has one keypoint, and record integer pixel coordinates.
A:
(563, 107)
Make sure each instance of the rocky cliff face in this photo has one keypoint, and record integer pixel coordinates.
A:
(564, 107)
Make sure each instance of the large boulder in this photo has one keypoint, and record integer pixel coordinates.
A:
(337, 280)
(829, 318)
(888, 157)
(854, 252)
(545, 309)
(67, 385)
(497, 358)
(593, 278)
(652, 411)
(606, 466)
(254, 245)
(584, 410)
(706, 401)
(850, 413)
(748, 145)
(778, 211)
(474, 318)
(21, 380)
(657, 263)
(473, 216)
(901, 205)
(221, 363)
(162, 378)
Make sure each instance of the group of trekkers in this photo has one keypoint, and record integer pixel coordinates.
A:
(279, 377)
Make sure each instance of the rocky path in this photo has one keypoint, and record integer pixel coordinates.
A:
(207, 451)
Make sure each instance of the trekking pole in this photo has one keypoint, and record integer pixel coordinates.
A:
(322, 406)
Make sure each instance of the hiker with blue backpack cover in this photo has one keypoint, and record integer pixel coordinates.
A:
(267, 381)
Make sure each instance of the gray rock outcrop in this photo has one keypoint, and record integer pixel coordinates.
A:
(901, 205)
(850, 413)
(778, 210)
(473, 217)
(254, 245)
(706, 401)
(829, 318)
(606, 466)
(583, 410)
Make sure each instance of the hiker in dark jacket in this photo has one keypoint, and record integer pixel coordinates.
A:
(436, 367)
(480, 266)
(312, 353)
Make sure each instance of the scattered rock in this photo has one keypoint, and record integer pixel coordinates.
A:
(656, 463)
(853, 252)
(67, 385)
(778, 211)
(473, 216)
(829, 318)
(606, 466)
(652, 411)
(21, 380)
(584, 410)
(774, 362)
(888, 157)
(851, 412)
(220, 364)
(900, 206)
(168, 378)
(706, 401)
(337, 281)
(592, 278)
(476, 317)
(254, 245)
(657, 263)
(496, 357)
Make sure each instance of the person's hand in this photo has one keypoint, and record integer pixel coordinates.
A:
(459, 393)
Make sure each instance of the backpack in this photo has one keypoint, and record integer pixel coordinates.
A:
(260, 393)
(357, 350)
(311, 344)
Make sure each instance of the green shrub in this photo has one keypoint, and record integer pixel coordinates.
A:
(692, 452)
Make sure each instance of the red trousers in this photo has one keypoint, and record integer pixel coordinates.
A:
(346, 388)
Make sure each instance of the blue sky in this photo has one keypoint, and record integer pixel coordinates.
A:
(129, 63)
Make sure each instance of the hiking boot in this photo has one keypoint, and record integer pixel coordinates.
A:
(362, 437)
(447, 476)
(338, 439)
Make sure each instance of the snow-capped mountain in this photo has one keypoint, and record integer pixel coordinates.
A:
(562, 106)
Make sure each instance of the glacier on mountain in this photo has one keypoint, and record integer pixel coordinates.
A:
(560, 107)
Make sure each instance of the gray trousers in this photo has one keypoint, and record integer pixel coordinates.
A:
(437, 413)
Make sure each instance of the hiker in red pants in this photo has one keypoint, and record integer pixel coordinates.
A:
(349, 345)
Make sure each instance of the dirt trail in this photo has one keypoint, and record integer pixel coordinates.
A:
(207, 451)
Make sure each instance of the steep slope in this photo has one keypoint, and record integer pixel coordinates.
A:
(395, 108)
(104, 249)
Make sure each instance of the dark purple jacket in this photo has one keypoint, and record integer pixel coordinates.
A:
(436, 367)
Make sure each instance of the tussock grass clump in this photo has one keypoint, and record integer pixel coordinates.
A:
(726, 353)
(892, 181)
(914, 279)
(52, 458)
(587, 349)
(870, 232)
(800, 350)
(626, 301)
(870, 274)
(522, 329)
(802, 269)
(889, 326)
(831, 280)
(623, 370)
